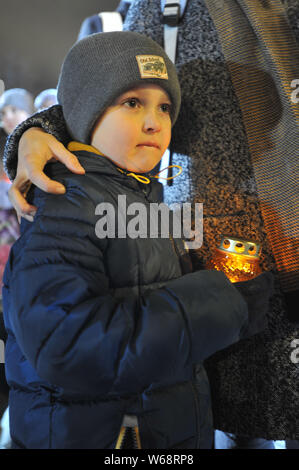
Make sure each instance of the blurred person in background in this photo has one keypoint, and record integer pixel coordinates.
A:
(45, 99)
(94, 24)
(16, 105)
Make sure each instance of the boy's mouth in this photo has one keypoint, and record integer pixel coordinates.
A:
(149, 144)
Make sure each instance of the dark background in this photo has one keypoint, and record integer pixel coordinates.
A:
(35, 36)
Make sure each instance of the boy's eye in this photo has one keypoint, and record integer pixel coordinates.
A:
(134, 102)
(131, 102)
(166, 107)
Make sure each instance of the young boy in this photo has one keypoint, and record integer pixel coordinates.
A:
(104, 328)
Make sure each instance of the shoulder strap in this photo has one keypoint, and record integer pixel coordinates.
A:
(111, 21)
(173, 11)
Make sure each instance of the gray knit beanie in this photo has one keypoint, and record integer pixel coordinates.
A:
(101, 67)
(19, 98)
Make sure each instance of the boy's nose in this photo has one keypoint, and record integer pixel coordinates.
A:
(152, 122)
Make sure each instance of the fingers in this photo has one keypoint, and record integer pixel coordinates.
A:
(66, 157)
(37, 149)
(35, 166)
(20, 204)
(42, 181)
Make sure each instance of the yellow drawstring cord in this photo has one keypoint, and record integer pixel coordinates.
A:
(170, 177)
(145, 180)
(73, 146)
(140, 178)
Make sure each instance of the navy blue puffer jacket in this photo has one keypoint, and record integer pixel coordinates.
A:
(100, 328)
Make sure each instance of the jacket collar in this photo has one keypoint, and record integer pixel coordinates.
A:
(94, 161)
(77, 146)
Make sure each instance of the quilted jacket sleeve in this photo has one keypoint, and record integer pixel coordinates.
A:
(79, 337)
(51, 120)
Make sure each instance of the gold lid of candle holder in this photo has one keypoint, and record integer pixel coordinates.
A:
(240, 246)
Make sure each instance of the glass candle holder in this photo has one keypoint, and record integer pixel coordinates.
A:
(237, 258)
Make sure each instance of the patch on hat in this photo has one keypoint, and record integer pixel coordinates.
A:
(152, 66)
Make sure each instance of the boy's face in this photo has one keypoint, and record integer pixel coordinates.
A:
(11, 117)
(135, 131)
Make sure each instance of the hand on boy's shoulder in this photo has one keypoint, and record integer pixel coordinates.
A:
(36, 149)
